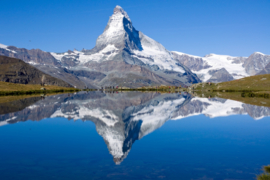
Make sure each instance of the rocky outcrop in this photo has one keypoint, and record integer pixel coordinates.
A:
(16, 71)
(194, 63)
(220, 75)
(265, 70)
(256, 62)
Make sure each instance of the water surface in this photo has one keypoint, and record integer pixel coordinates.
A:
(132, 135)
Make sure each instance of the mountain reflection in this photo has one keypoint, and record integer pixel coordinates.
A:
(123, 118)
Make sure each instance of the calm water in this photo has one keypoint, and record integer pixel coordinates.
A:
(132, 136)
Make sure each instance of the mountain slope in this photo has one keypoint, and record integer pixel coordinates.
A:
(16, 71)
(251, 83)
(43, 61)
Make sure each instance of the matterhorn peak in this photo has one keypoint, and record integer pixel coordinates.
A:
(119, 33)
(119, 10)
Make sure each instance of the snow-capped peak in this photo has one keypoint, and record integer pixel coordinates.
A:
(259, 53)
(120, 10)
(119, 31)
(3, 46)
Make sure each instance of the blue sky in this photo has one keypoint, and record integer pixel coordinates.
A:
(198, 27)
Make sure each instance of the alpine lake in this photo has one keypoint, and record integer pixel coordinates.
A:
(133, 135)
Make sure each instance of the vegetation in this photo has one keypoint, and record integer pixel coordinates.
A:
(248, 84)
(19, 89)
(266, 174)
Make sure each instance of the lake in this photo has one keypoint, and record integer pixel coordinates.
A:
(132, 135)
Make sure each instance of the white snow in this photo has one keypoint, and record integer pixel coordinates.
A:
(155, 51)
(31, 62)
(32, 107)
(259, 53)
(58, 56)
(108, 117)
(2, 46)
(115, 30)
(84, 58)
(153, 117)
(180, 54)
(2, 123)
(216, 108)
(222, 61)
(218, 62)
(109, 48)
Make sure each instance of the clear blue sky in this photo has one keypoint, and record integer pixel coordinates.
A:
(198, 27)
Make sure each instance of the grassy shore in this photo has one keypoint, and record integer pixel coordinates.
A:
(20, 89)
(248, 84)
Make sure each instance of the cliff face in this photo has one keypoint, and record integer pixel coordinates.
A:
(16, 71)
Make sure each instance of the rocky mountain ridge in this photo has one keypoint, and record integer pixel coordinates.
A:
(226, 67)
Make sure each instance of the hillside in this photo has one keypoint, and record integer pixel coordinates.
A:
(16, 71)
(252, 83)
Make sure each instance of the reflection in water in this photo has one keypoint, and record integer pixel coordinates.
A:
(266, 174)
(123, 118)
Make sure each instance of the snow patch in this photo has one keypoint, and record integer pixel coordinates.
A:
(2, 46)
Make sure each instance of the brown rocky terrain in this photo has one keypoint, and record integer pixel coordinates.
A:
(17, 71)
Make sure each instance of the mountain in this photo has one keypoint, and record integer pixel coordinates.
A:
(220, 74)
(122, 56)
(43, 61)
(256, 63)
(17, 71)
(33, 56)
(266, 69)
(126, 57)
(225, 67)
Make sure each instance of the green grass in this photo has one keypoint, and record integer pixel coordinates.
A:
(248, 84)
(22, 89)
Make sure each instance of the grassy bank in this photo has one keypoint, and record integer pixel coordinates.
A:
(248, 84)
(22, 89)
